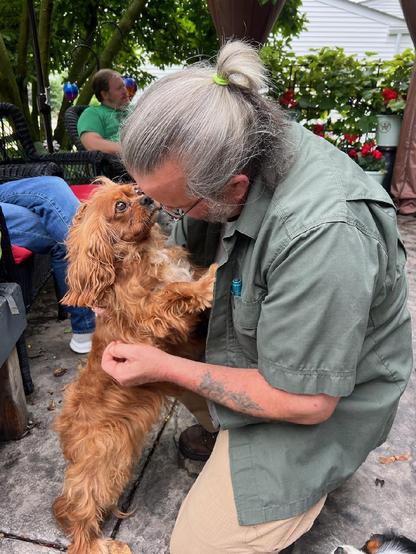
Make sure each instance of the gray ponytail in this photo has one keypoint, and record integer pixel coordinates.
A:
(213, 131)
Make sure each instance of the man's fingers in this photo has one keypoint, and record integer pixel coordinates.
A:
(119, 350)
(110, 360)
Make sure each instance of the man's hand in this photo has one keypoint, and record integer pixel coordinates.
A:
(134, 364)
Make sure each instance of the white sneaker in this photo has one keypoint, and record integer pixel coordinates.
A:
(81, 343)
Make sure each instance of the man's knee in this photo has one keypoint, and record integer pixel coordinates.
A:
(59, 196)
(178, 540)
(54, 187)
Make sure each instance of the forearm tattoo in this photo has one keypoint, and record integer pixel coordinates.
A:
(238, 401)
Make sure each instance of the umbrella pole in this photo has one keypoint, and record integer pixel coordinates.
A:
(43, 103)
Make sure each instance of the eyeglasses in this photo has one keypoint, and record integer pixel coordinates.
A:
(178, 213)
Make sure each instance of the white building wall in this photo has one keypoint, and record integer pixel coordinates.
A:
(392, 7)
(343, 24)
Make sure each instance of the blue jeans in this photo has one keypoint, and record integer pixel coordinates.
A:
(38, 213)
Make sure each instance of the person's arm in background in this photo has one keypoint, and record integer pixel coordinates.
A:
(93, 141)
(91, 130)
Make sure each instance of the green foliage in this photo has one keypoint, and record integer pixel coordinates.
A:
(290, 22)
(328, 80)
(161, 32)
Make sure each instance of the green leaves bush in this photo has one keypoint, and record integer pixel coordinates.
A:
(340, 91)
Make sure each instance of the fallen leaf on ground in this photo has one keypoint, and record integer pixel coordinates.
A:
(52, 406)
(59, 371)
(394, 458)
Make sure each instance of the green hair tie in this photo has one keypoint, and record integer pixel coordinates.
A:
(220, 80)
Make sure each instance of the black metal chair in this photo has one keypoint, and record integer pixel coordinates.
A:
(10, 272)
(71, 117)
(17, 152)
(114, 168)
(21, 169)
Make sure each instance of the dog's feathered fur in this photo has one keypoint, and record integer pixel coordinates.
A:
(119, 261)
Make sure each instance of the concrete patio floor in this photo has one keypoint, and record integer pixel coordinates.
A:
(377, 498)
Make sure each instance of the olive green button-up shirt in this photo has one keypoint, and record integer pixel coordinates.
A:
(322, 310)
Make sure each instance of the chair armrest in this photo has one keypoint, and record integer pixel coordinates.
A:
(21, 170)
(85, 166)
(88, 156)
(77, 167)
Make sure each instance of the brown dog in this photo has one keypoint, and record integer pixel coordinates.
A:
(119, 261)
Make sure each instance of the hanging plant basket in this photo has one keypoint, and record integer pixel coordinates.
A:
(388, 130)
(244, 19)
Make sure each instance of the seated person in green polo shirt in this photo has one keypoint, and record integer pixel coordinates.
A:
(98, 126)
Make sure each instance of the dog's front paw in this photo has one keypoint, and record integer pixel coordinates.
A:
(117, 547)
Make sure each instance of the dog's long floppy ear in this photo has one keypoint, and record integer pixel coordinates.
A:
(90, 258)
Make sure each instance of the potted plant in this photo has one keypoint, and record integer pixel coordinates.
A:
(366, 155)
(389, 118)
(386, 97)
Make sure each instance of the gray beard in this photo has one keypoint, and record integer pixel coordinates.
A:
(219, 212)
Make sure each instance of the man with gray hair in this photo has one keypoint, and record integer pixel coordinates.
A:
(309, 338)
(99, 126)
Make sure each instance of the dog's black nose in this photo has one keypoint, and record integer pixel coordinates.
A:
(339, 550)
(145, 201)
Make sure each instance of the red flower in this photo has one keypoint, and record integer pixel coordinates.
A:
(389, 94)
(366, 149)
(319, 129)
(288, 99)
(377, 155)
(351, 139)
(352, 153)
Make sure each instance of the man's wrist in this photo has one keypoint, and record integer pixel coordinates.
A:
(175, 370)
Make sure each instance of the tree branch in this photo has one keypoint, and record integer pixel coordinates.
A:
(45, 20)
(8, 85)
(114, 45)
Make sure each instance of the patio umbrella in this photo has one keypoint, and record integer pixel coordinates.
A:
(244, 19)
(43, 104)
(403, 187)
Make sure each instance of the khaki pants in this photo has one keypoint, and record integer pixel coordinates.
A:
(207, 521)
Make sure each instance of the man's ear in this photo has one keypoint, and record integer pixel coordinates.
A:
(237, 188)
(104, 95)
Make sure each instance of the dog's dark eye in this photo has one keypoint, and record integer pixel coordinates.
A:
(121, 206)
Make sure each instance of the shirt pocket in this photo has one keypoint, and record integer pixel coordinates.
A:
(246, 317)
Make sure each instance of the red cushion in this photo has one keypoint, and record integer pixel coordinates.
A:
(82, 192)
(20, 254)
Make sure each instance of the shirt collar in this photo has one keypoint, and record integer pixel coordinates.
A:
(260, 196)
(255, 208)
